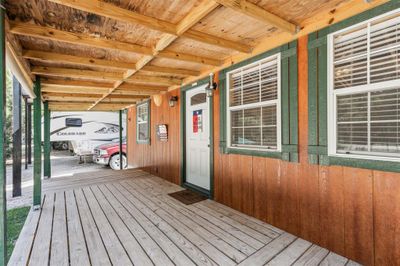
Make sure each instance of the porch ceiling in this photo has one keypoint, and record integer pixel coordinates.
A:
(96, 55)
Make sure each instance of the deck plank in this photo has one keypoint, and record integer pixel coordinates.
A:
(334, 259)
(97, 252)
(76, 239)
(254, 243)
(131, 212)
(265, 254)
(291, 253)
(313, 256)
(24, 244)
(123, 227)
(115, 250)
(187, 247)
(198, 233)
(41, 246)
(59, 243)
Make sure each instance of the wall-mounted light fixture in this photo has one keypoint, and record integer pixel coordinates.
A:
(173, 100)
(211, 86)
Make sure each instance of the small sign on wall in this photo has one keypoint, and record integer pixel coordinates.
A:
(162, 133)
(197, 121)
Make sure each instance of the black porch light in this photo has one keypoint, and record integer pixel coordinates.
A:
(212, 85)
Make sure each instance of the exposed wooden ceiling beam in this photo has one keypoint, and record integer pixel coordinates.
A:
(190, 58)
(84, 39)
(62, 83)
(170, 70)
(76, 60)
(132, 100)
(159, 50)
(195, 15)
(81, 90)
(153, 79)
(75, 73)
(79, 106)
(211, 39)
(111, 11)
(133, 87)
(47, 33)
(252, 10)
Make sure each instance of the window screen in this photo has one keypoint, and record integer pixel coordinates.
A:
(253, 105)
(142, 115)
(366, 88)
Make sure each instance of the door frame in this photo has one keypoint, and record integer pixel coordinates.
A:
(183, 183)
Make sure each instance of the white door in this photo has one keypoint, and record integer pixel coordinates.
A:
(197, 138)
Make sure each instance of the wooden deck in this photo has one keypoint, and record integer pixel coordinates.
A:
(126, 217)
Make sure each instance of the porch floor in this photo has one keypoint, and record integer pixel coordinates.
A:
(126, 217)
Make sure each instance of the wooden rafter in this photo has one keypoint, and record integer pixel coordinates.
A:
(252, 10)
(76, 60)
(76, 73)
(165, 41)
(170, 70)
(80, 84)
(47, 33)
(80, 90)
(153, 79)
(111, 11)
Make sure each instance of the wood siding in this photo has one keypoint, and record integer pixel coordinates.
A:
(159, 158)
(354, 212)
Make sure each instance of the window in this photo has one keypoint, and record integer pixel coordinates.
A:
(364, 89)
(143, 122)
(253, 106)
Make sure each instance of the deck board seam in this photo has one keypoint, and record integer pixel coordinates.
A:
(152, 223)
(115, 233)
(83, 229)
(235, 227)
(184, 225)
(36, 230)
(199, 224)
(182, 236)
(106, 198)
(52, 226)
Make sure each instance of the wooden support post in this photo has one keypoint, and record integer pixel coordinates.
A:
(29, 131)
(17, 138)
(37, 148)
(121, 162)
(46, 141)
(26, 131)
(3, 195)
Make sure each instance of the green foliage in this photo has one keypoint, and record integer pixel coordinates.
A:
(15, 221)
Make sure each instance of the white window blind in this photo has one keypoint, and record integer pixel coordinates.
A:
(253, 105)
(365, 88)
(142, 122)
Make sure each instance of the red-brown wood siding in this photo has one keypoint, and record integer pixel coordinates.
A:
(354, 212)
(159, 158)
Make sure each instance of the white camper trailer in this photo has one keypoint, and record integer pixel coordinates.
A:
(85, 130)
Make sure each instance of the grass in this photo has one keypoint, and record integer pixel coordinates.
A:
(15, 221)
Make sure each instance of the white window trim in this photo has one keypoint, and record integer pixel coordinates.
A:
(147, 103)
(277, 57)
(332, 96)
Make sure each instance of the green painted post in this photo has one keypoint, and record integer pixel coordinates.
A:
(3, 198)
(121, 163)
(37, 148)
(46, 139)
